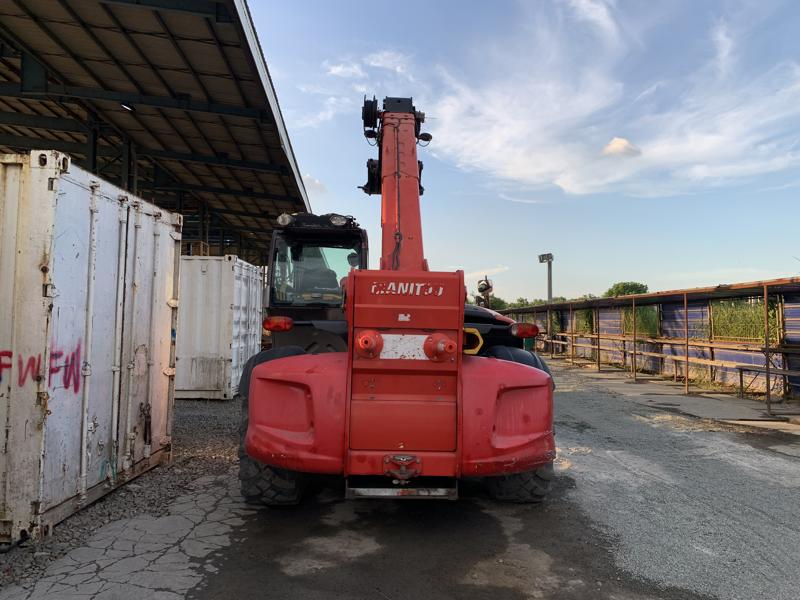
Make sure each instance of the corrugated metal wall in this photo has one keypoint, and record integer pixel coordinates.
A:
(791, 326)
(671, 342)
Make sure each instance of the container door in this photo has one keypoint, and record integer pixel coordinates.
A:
(203, 348)
(27, 200)
(148, 344)
(84, 347)
(247, 318)
(65, 383)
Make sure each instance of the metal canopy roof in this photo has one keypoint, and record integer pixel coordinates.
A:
(168, 98)
(723, 291)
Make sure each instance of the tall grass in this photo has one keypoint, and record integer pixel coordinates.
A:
(742, 320)
(647, 321)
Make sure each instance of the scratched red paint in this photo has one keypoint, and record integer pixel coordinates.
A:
(29, 368)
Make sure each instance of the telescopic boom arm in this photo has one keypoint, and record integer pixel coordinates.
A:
(396, 175)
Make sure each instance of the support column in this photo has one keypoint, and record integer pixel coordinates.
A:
(686, 343)
(766, 349)
(633, 356)
(572, 334)
(596, 315)
(91, 149)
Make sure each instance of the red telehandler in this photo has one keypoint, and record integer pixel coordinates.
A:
(421, 397)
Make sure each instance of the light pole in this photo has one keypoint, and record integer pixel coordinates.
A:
(548, 258)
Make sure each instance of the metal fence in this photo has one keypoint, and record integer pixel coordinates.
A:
(745, 334)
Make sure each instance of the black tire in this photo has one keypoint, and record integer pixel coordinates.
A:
(260, 483)
(529, 487)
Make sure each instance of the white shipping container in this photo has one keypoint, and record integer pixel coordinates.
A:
(219, 324)
(88, 290)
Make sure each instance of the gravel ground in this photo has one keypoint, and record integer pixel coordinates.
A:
(647, 505)
(205, 441)
(692, 503)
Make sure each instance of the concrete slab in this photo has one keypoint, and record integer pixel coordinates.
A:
(667, 395)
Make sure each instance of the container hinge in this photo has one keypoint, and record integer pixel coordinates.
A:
(169, 371)
(49, 290)
(42, 398)
(172, 303)
(176, 235)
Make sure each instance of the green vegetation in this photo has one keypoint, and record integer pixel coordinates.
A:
(742, 320)
(584, 321)
(647, 321)
(623, 288)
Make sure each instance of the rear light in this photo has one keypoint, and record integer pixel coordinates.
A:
(524, 330)
(439, 347)
(278, 323)
(369, 344)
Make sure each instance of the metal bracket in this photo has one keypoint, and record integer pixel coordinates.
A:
(403, 473)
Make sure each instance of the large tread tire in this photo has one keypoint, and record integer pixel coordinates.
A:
(522, 488)
(260, 483)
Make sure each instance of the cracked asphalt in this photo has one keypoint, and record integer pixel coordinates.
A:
(647, 504)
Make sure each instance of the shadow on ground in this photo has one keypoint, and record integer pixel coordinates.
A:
(470, 549)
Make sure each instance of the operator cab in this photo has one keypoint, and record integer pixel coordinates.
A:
(310, 257)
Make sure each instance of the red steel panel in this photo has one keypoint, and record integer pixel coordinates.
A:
(433, 464)
(403, 425)
(297, 413)
(508, 416)
(404, 399)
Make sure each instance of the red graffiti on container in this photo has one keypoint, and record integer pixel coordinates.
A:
(29, 368)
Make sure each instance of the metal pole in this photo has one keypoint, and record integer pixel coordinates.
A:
(596, 315)
(766, 347)
(134, 171)
(91, 150)
(572, 337)
(550, 280)
(633, 356)
(125, 174)
(686, 341)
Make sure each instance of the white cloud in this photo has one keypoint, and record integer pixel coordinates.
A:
(520, 200)
(313, 185)
(391, 61)
(481, 273)
(331, 106)
(597, 14)
(345, 69)
(542, 110)
(723, 46)
(620, 147)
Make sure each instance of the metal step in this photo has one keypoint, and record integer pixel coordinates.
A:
(432, 488)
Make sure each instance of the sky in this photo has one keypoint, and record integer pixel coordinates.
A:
(636, 141)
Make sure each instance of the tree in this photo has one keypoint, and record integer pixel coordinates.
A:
(497, 303)
(624, 288)
(519, 303)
